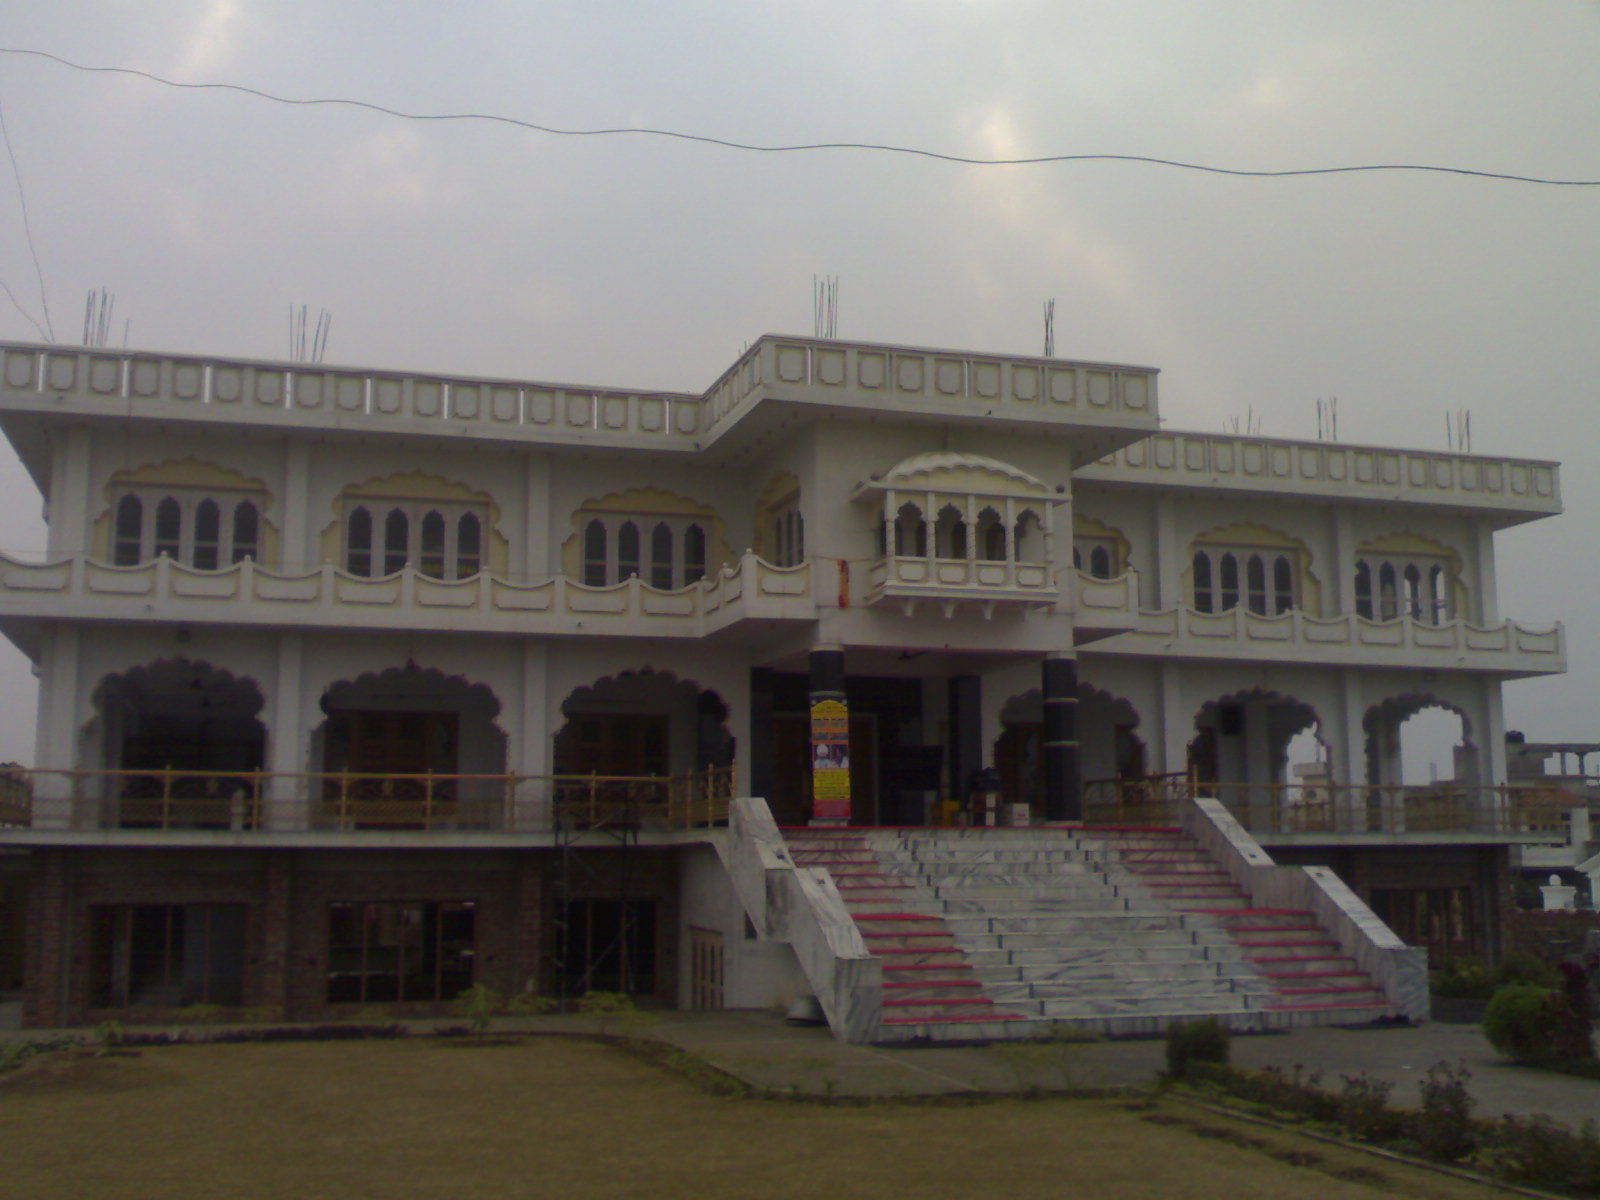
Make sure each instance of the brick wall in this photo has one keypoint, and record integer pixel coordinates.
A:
(287, 894)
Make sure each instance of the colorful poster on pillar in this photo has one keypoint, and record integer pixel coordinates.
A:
(830, 761)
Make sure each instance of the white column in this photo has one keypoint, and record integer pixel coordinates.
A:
(1176, 730)
(294, 546)
(1350, 755)
(69, 500)
(1343, 567)
(1487, 607)
(1492, 737)
(528, 749)
(1169, 557)
(290, 796)
(530, 546)
(56, 739)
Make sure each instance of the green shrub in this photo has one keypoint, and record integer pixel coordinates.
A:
(1445, 1127)
(479, 1004)
(1543, 1153)
(1462, 979)
(1363, 1108)
(1525, 968)
(1195, 1041)
(1517, 1022)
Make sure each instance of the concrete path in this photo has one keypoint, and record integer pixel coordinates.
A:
(768, 1053)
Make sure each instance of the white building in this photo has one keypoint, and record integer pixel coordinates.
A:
(327, 656)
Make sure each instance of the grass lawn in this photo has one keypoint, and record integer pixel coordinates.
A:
(422, 1118)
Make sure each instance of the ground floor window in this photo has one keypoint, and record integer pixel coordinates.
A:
(386, 951)
(1440, 918)
(609, 946)
(166, 955)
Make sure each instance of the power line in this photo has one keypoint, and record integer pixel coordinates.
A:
(27, 229)
(878, 147)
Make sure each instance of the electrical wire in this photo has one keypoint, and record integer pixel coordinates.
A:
(877, 147)
(48, 332)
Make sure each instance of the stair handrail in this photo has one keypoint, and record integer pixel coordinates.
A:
(1400, 971)
(801, 906)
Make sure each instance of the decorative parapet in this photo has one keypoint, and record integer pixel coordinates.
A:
(1297, 637)
(912, 379)
(1523, 488)
(81, 587)
(908, 579)
(171, 386)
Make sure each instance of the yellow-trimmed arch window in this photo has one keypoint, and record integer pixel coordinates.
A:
(1245, 566)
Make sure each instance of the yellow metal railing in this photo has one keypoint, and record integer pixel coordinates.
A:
(171, 799)
(1336, 808)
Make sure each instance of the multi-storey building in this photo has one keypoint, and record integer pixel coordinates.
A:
(357, 687)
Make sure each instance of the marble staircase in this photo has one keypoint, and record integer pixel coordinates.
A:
(1008, 933)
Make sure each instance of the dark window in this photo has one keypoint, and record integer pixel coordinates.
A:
(694, 554)
(627, 551)
(358, 543)
(910, 533)
(433, 544)
(400, 951)
(1255, 572)
(661, 557)
(126, 551)
(246, 531)
(166, 955)
(207, 535)
(1282, 584)
(1230, 582)
(1100, 562)
(1364, 590)
(1386, 592)
(610, 947)
(396, 541)
(469, 548)
(1204, 598)
(169, 528)
(594, 554)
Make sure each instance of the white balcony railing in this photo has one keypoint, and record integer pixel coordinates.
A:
(164, 590)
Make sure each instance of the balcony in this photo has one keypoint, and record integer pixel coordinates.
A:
(1507, 649)
(907, 581)
(259, 804)
(167, 591)
(1338, 814)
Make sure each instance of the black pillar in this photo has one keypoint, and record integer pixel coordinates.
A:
(760, 753)
(1063, 772)
(964, 736)
(830, 740)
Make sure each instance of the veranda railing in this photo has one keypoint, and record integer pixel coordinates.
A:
(173, 799)
(1337, 808)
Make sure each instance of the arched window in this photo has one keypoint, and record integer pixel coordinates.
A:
(246, 531)
(1100, 562)
(169, 528)
(1413, 592)
(1282, 584)
(1414, 585)
(910, 533)
(1229, 582)
(694, 554)
(1028, 539)
(991, 536)
(661, 557)
(627, 551)
(950, 534)
(1387, 589)
(594, 554)
(432, 564)
(358, 542)
(1438, 595)
(1255, 574)
(469, 546)
(127, 545)
(207, 535)
(1204, 598)
(1364, 590)
(396, 541)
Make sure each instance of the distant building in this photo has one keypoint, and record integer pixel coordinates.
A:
(359, 686)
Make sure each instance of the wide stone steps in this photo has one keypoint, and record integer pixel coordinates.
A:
(990, 934)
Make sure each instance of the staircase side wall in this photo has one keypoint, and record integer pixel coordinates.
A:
(800, 906)
(1400, 970)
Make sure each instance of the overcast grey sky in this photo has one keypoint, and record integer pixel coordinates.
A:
(454, 246)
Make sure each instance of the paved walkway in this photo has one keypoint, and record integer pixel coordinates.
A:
(767, 1052)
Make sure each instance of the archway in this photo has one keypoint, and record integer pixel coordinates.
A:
(1110, 749)
(409, 747)
(1419, 739)
(1241, 754)
(642, 723)
(184, 743)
